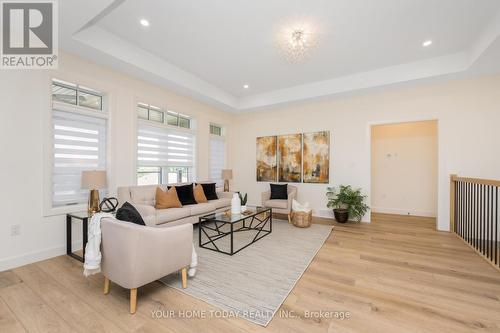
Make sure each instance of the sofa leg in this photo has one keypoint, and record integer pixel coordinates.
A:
(289, 219)
(133, 300)
(184, 277)
(106, 286)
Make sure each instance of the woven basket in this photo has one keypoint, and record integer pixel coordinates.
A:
(301, 219)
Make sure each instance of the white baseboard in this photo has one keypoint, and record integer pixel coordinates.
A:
(34, 256)
(403, 212)
(328, 213)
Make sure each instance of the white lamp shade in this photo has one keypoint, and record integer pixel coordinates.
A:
(227, 174)
(94, 180)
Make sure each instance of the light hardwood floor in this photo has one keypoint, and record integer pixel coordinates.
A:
(396, 274)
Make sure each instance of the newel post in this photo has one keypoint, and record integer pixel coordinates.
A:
(452, 202)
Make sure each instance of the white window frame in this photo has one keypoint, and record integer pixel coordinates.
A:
(48, 146)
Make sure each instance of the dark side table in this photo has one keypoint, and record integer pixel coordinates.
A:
(84, 218)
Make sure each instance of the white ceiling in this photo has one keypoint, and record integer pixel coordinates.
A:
(210, 49)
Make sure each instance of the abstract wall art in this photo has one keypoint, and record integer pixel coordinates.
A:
(316, 163)
(290, 158)
(267, 163)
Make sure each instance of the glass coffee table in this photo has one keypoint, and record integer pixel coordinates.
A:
(230, 233)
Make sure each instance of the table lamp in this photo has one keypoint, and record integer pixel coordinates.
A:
(227, 174)
(94, 181)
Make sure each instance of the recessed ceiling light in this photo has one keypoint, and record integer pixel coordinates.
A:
(246, 86)
(427, 43)
(144, 22)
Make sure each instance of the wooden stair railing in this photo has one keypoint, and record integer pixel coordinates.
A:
(474, 216)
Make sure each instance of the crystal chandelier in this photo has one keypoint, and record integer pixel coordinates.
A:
(297, 44)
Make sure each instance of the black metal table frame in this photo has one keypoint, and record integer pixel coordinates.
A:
(69, 245)
(205, 220)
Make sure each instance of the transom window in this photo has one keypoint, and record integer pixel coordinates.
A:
(215, 129)
(150, 112)
(156, 114)
(74, 94)
(178, 119)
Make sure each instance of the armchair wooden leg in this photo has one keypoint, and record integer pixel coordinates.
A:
(106, 286)
(289, 219)
(184, 277)
(133, 300)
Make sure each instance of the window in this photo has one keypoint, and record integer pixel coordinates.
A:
(71, 93)
(217, 154)
(178, 174)
(162, 175)
(177, 119)
(150, 112)
(79, 143)
(78, 140)
(164, 155)
(156, 114)
(215, 129)
(148, 175)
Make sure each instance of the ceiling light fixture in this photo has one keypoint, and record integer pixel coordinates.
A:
(246, 86)
(144, 22)
(427, 43)
(297, 43)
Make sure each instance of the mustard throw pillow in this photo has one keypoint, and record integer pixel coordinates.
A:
(167, 199)
(199, 195)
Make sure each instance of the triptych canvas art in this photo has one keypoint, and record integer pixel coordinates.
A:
(294, 158)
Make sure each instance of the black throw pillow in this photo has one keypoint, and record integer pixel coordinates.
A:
(185, 194)
(128, 213)
(279, 191)
(209, 190)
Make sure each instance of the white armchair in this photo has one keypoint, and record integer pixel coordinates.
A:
(280, 206)
(135, 255)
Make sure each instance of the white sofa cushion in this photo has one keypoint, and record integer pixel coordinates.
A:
(201, 208)
(277, 203)
(171, 214)
(144, 195)
(221, 202)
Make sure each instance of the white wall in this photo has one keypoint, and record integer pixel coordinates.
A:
(404, 168)
(25, 126)
(468, 114)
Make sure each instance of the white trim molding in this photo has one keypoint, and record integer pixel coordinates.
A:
(35, 256)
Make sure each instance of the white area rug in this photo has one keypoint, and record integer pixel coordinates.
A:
(253, 283)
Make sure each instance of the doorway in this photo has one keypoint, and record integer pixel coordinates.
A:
(404, 170)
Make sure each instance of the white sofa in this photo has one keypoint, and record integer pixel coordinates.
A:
(143, 199)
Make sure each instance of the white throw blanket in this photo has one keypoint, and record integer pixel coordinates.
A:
(193, 264)
(92, 264)
(298, 207)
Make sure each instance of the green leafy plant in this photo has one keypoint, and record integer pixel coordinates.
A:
(345, 197)
(243, 199)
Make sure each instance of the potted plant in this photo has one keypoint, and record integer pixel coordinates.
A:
(347, 203)
(243, 200)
